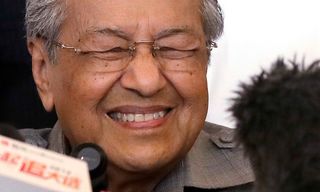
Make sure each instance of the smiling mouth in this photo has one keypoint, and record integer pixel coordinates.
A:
(137, 117)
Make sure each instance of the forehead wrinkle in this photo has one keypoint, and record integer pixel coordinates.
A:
(108, 31)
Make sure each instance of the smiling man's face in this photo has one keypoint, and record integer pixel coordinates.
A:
(146, 116)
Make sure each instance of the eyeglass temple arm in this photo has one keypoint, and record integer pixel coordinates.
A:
(211, 45)
(63, 46)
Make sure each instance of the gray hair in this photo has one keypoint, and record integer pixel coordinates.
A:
(213, 22)
(44, 19)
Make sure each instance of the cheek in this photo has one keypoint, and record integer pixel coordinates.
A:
(72, 82)
(89, 88)
(77, 97)
(192, 87)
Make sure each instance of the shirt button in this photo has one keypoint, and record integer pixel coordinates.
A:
(227, 138)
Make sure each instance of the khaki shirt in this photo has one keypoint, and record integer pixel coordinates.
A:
(214, 163)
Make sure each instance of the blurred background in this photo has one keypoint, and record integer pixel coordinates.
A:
(19, 101)
(257, 32)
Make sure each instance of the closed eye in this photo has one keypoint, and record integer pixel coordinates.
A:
(115, 53)
(112, 50)
(172, 53)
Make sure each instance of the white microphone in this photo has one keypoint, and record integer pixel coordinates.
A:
(26, 168)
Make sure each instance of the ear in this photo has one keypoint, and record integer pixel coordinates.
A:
(40, 67)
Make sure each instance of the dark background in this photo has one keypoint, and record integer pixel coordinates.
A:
(20, 104)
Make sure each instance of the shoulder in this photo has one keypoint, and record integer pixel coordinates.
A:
(221, 136)
(223, 143)
(37, 137)
(217, 156)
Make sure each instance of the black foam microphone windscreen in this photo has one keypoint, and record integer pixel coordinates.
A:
(278, 122)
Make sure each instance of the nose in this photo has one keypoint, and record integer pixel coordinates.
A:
(143, 74)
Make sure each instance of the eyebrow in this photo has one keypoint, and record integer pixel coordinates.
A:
(174, 31)
(112, 32)
(162, 34)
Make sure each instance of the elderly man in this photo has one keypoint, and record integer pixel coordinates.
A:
(130, 76)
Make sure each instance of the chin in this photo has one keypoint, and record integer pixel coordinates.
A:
(145, 161)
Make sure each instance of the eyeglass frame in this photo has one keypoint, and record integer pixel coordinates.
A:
(131, 49)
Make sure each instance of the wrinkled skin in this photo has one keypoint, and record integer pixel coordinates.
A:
(140, 152)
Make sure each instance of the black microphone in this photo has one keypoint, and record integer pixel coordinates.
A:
(97, 163)
(11, 132)
(278, 123)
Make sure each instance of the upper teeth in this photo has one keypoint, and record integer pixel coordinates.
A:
(131, 117)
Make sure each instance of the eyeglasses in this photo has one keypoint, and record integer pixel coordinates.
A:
(116, 57)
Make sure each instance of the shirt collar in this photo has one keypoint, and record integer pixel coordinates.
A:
(206, 166)
(57, 140)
